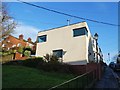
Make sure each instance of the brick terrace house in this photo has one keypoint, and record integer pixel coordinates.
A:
(13, 43)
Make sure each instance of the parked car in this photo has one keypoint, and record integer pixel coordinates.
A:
(118, 59)
(117, 67)
(112, 65)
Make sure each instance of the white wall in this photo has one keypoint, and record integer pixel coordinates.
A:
(76, 48)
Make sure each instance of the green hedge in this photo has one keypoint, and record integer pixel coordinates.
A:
(39, 63)
(33, 62)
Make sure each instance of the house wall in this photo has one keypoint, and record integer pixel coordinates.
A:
(75, 48)
(11, 42)
(90, 49)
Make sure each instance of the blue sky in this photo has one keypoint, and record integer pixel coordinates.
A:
(31, 20)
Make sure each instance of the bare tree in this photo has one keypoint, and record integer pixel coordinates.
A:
(7, 24)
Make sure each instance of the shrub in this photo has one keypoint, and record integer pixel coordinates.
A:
(39, 63)
(16, 62)
(27, 53)
(51, 58)
(52, 64)
(33, 62)
(20, 49)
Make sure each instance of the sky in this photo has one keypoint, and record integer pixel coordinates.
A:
(31, 20)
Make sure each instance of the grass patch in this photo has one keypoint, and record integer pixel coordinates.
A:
(24, 77)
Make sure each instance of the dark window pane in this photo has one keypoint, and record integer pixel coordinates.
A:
(58, 53)
(42, 38)
(80, 31)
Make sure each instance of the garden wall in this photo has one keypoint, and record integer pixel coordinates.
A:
(81, 69)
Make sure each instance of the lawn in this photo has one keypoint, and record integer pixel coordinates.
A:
(24, 77)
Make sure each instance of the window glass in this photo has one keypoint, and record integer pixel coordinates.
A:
(58, 53)
(79, 32)
(42, 38)
(19, 44)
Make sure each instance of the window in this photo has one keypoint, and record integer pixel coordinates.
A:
(58, 53)
(13, 45)
(42, 38)
(80, 31)
(3, 45)
(8, 41)
(19, 44)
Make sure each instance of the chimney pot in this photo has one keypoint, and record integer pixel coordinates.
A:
(29, 40)
(21, 37)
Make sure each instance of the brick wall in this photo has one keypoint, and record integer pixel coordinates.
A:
(81, 69)
(78, 69)
(19, 56)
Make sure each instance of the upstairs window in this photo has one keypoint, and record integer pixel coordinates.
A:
(58, 53)
(19, 44)
(42, 38)
(80, 32)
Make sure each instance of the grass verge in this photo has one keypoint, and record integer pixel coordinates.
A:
(24, 77)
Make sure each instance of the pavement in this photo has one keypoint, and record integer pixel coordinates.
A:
(108, 81)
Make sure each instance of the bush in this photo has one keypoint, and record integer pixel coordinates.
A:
(33, 62)
(20, 49)
(16, 62)
(27, 53)
(51, 58)
(55, 67)
(39, 63)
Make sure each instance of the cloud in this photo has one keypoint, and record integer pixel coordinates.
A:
(27, 31)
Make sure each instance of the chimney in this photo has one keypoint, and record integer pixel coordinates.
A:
(7, 38)
(21, 37)
(29, 40)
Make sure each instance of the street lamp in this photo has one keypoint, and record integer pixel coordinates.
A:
(96, 39)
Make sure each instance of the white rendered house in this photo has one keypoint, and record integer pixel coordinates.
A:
(73, 43)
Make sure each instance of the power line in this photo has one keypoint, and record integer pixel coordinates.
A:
(67, 14)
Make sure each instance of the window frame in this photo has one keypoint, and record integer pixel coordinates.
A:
(41, 41)
(78, 29)
(58, 50)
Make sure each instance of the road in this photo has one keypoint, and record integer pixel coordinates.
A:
(107, 81)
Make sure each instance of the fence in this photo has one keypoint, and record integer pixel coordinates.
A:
(83, 81)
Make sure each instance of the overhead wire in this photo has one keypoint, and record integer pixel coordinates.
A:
(70, 15)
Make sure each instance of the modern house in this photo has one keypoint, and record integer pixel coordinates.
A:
(73, 44)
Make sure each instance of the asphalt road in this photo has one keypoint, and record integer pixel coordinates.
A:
(107, 81)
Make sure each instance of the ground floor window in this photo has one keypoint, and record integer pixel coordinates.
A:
(58, 53)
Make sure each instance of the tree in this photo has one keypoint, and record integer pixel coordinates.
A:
(7, 24)
(20, 50)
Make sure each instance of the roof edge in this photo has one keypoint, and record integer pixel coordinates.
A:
(60, 26)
